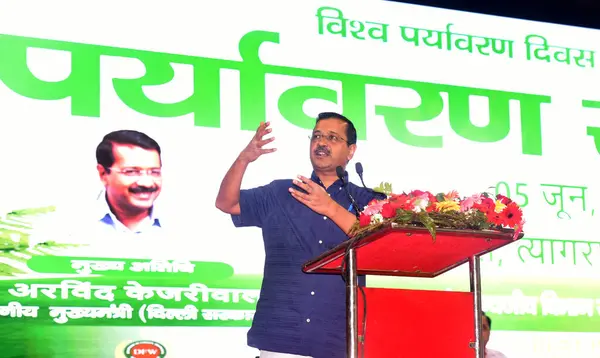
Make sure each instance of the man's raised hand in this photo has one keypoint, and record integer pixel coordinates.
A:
(255, 149)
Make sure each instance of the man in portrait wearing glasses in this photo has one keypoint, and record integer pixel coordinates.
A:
(129, 166)
(298, 314)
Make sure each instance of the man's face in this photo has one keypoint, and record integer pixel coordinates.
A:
(134, 180)
(485, 332)
(329, 147)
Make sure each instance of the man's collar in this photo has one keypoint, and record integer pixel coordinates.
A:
(315, 178)
(104, 214)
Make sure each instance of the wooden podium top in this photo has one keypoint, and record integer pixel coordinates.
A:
(411, 251)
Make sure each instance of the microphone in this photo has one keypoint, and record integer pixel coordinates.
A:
(341, 173)
(359, 171)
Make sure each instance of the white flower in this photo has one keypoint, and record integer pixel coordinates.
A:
(420, 205)
(376, 219)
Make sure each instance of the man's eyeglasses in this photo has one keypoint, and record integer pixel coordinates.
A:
(331, 138)
(135, 172)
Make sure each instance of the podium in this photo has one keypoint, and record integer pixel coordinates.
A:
(401, 323)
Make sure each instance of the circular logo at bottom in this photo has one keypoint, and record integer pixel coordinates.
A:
(145, 349)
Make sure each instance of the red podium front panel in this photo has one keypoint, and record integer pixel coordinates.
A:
(414, 323)
(417, 324)
(411, 252)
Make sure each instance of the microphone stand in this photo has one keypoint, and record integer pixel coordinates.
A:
(341, 173)
(351, 278)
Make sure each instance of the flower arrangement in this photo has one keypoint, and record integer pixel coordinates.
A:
(421, 208)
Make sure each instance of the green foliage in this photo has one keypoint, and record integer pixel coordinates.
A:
(32, 211)
(15, 247)
(385, 188)
(428, 222)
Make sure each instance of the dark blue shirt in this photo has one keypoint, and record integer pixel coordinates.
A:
(298, 313)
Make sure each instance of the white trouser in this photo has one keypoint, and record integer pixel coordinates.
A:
(267, 354)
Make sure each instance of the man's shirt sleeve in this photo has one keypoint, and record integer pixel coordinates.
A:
(254, 206)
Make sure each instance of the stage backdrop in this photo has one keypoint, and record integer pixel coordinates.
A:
(442, 100)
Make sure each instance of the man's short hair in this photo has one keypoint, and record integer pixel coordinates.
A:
(350, 129)
(105, 155)
(488, 319)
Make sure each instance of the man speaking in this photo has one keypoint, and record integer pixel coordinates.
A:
(298, 314)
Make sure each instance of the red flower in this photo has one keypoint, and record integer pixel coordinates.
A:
(364, 220)
(503, 199)
(431, 197)
(487, 206)
(401, 197)
(494, 217)
(511, 215)
(402, 201)
(432, 201)
(417, 193)
(388, 211)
